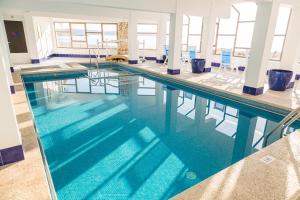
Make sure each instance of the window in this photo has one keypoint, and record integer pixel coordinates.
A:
(191, 32)
(147, 36)
(86, 35)
(236, 32)
(280, 32)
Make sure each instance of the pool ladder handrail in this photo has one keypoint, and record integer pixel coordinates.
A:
(96, 57)
(286, 122)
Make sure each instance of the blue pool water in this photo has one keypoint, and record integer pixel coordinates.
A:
(119, 135)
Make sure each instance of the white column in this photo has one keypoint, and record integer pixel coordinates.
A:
(174, 56)
(261, 47)
(31, 37)
(171, 110)
(209, 28)
(132, 39)
(161, 38)
(291, 46)
(10, 140)
(6, 55)
(244, 136)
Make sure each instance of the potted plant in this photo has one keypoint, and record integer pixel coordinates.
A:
(279, 79)
(198, 65)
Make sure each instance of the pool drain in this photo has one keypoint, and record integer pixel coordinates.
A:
(191, 175)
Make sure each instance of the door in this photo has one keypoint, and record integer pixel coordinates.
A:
(15, 36)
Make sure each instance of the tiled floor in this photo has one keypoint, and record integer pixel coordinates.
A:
(247, 179)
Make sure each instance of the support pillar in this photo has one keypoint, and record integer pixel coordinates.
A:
(261, 47)
(132, 39)
(161, 42)
(174, 58)
(209, 28)
(244, 137)
(171, 110)
(10, 140)
(6, 56)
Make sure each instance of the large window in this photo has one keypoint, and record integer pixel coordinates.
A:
(280, 32)
(147, 36)
(191, 32)
(236, 32)
(86, 35)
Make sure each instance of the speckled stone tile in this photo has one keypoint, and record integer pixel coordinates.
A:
(251, 178)
(24, 180)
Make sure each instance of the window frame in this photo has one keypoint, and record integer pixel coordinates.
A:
(282, 35)
(147, 34)
(192, 34)
(86, 34)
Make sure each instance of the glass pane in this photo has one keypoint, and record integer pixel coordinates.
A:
(282, 20)
(195, 41)
(63, 39)
(228, 26)
(110, 45)
(93, 40)
(93, 28)
(79, 38)
(62, 27)
(244, 34)
(277, 46)
(247, 11)
(185, 31)
(78, 29)
(168, 27)
(167, 40)
(79, 44)
(83, 85)
(147, 41)
(225, 42)
(110, 32)
(195, 25)
(147, 28)
(241, 52)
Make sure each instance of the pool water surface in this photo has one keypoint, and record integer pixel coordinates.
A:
(113, 134)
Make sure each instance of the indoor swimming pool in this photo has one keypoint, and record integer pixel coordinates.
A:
(115, 134)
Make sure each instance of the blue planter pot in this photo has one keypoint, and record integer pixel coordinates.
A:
(198, 65)
(279, 79)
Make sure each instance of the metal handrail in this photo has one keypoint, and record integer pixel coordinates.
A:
(286, 122)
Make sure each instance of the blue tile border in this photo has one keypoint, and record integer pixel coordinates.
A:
(215, 64)
(11, 155)
(132, 62)
(12, 69)
(160, 61)
(12, 89)
(290, 85)
(241, 68)
(207, 69)
(252, 90)
(36, 61)
(173, 71)
(150, 58)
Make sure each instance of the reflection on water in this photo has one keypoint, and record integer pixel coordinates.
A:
(122, 136)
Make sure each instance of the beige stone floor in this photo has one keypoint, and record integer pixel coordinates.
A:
(247, 179)
(253, 179)
(232, 82)
(24, 180)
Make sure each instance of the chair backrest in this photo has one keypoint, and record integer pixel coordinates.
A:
(192, 52)
(166, 50)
